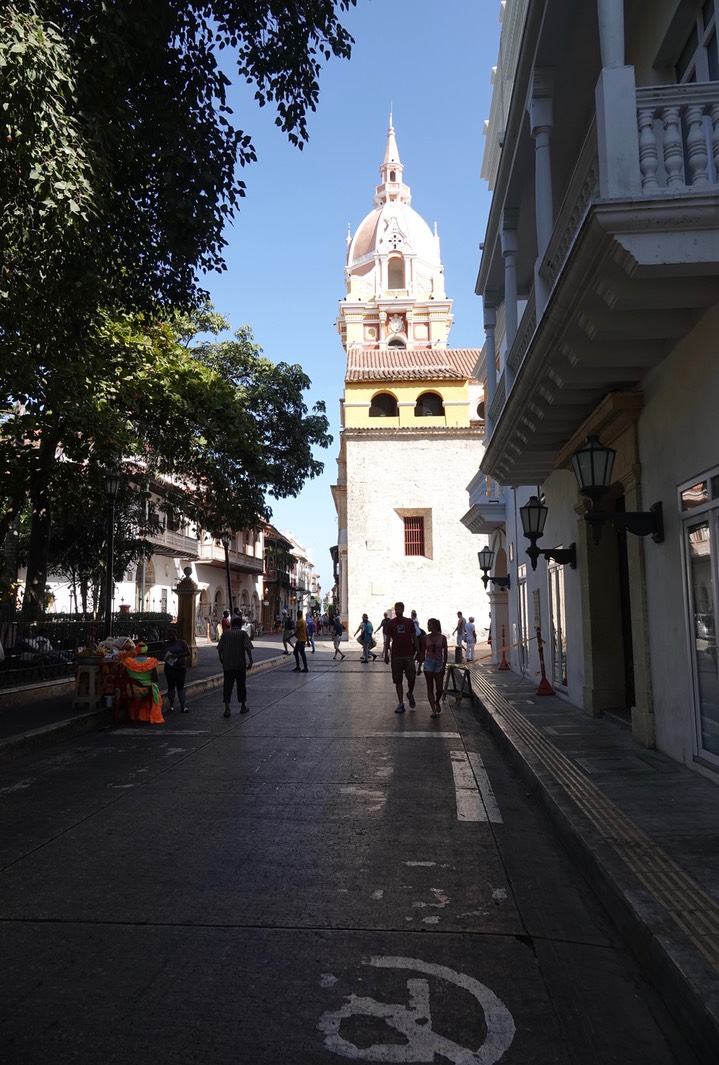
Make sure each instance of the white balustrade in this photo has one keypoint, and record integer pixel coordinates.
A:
(678, 128)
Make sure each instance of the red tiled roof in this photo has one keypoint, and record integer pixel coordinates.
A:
(402, 364)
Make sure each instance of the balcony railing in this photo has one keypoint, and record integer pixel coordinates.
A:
(209, 551)
(678, 128)
(175, 544)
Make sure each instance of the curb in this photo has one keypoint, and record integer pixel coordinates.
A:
(678, 971)
(97, 720)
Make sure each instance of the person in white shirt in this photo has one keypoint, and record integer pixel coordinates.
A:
(470, 636)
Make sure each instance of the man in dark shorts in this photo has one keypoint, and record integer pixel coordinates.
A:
(401, 640)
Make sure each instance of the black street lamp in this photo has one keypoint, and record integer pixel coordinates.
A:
(592, 464)
(486, 558)
(534, 518)
(112, 485)
(226, 540)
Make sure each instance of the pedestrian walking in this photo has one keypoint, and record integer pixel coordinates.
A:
(288, 631)
(382, 628)
(176, 656)
(337, 630)
(235, 651)
(311, 630)
(470, 638)
(401, 643)
(435, 664)
(420, 636)
(459, 630)
(225, 622)
(365, 630)
(300, 641)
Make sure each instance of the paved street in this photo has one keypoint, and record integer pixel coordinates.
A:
(319, 879)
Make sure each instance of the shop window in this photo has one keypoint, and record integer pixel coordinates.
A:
(383, 405)
(429, 405)
(414, 535)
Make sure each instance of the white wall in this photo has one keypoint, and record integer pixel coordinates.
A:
(678, 442)
(412, 472)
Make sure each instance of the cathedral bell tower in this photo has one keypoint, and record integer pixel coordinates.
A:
(412, 422)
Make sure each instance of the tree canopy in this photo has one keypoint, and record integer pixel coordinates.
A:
(119, 154)
(222, 426)
(120, 164)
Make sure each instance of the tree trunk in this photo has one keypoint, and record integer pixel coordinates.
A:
(8, 581)
(33, 605)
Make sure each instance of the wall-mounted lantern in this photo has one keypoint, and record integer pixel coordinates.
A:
(534, 517)
(593, 464)
(486, 559)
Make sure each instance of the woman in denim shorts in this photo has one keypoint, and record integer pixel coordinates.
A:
(435, 663)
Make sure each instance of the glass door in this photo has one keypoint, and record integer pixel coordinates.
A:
(701, 559)
(522, 636)
(558, 641)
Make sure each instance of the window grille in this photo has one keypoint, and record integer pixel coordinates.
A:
(414, 536)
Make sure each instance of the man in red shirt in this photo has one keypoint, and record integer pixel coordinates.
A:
(401, 639)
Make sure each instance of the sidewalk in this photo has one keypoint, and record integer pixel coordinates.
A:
(643, 829)
(51, 719)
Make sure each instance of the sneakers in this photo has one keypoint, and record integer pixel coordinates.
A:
(297, 670)
(244, 709)
(343, 656)
(227, 712)
(374, 658)
(411, 700)
(169, 709)
(184, 710)
(305, 670)
(399, 709)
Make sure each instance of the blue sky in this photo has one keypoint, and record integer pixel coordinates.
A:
(431, 63)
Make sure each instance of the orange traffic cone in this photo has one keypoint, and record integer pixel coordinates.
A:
(504, 664)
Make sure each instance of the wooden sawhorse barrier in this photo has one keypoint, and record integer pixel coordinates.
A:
(464, 691)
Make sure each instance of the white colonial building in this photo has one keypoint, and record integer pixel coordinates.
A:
(412, 423)
(600, 282)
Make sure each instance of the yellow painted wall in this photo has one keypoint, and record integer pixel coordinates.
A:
(357, 417)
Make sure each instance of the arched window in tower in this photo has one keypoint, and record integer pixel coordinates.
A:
(395, 272)
(392, 175)
(383, 405)
(429, 405)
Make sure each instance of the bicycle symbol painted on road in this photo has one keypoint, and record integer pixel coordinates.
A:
(414, 1020)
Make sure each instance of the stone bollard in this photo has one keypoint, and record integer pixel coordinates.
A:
(187, 592)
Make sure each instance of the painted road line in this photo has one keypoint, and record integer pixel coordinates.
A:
(473, 792)
(485, 788)
(433, 735)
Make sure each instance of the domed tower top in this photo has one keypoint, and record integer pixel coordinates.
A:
(394, 270)
(391, 188)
